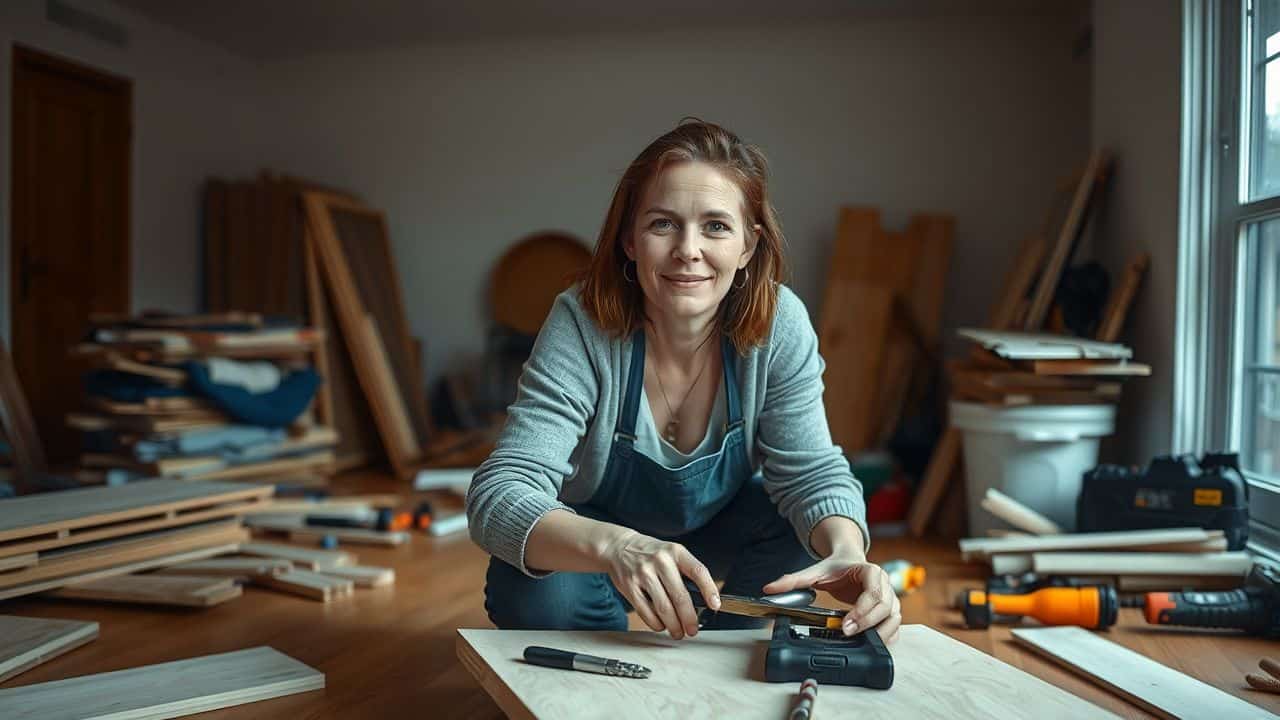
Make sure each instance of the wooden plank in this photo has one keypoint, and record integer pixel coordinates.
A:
(85, 507)
(318, 461)
(235, 567)
(974, 548)
(1154, 687)
(114, 570)
(26, 642)
(16, 562)
(1087, 367)
(717, 674)
(307, 584)
(318, 560)
(167, 690)
(299, 531)
(854, 318)
(1077, 217)
(942, 465)
(1018, 515)
(1117, 309)
(1228, 564)
(1018, 282)
(118, 551)
(182, 591)
(364, 575)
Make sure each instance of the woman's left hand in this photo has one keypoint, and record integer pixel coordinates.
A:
(851, 579)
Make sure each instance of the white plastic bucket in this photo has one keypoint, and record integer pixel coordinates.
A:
(1035, 454)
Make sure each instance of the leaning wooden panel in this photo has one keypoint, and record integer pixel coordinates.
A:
(45, 513)
(26, 642)
(167, 690)
(1154, 687)
(720, 674)
(181, 591)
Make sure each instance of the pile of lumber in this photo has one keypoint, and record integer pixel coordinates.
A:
(1018, 368)
(1002, 370)
(162, 542)
(146, 417)
(1132, 561)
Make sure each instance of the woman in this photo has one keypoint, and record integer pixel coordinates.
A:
(669, 423)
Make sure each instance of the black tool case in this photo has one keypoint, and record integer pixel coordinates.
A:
(828, 656)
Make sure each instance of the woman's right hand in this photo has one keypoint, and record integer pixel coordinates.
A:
(650, 573)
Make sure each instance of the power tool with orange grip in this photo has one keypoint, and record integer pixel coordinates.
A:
(1254, 608)
(1089, 606)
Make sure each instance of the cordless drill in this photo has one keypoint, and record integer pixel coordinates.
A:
(1254, 608)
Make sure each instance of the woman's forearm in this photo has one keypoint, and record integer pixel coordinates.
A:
(564, 541)
(838, 534)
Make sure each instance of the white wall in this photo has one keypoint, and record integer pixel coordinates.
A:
(469, 147)
(1136, 114)
(195, 113)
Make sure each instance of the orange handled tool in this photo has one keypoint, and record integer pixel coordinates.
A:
(1090, 606)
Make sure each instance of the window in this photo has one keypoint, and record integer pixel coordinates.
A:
(1227, 381)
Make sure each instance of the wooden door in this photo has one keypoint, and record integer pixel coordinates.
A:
(69, 252)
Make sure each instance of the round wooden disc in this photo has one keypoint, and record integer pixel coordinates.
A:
(528, 277)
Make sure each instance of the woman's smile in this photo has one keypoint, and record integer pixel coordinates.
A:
(686, 281)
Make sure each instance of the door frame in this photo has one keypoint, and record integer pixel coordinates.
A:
(26, 58)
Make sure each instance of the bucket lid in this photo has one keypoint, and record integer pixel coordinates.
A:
(1036, 422)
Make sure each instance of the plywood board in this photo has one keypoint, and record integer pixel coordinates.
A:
(721, 675)
(1154, 687)
(300, 557)
(45, 513)
(114, 570)
(316, 586)
(855, 318)
(183, 591)
(306, 533)
(15, 562)
(167, 690)
(26, 642)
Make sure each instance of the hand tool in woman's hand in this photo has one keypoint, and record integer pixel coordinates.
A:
(650, 573)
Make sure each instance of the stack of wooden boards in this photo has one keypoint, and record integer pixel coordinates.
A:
(145, 416)
(1026, 303)
(880, 324)
(1018, 368)
(167, 690)
(1132, 561)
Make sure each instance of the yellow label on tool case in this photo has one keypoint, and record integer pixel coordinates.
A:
(1208, 497)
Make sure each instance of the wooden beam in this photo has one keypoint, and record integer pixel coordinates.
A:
(181, 591)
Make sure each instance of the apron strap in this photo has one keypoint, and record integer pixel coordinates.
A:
(732, 399)
(626, 426)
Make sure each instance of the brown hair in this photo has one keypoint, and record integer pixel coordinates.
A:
(746, 314)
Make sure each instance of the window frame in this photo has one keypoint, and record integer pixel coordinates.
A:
(1214, 214)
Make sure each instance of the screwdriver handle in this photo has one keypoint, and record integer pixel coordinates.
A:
(1235, 609)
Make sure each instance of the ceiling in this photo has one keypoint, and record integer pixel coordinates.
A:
(279, 29)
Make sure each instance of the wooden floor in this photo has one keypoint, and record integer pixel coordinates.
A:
(390, 651)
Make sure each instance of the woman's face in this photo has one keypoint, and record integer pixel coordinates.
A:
(689, 240)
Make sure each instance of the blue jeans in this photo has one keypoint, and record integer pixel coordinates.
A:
(748, 544)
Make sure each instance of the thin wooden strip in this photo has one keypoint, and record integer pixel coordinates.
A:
(298, 531)
(1017, 514)
(16, 562)
(974, 547)
(307, 584)
(1228, 564)
(167, 690)
(184, 591)
(364, 575)
(125, 569)
(230, 567)
(300, 557)
(937, 476)
(273, 467)
(81, 507)
(160, 521)
(72, 561)
(1117, 310)
(26, 642)
(1154, 687)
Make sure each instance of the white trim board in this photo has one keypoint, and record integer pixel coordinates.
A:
(1091, 563)
(976, 548)
(167, 690)
(26, 642)
(1154, 687)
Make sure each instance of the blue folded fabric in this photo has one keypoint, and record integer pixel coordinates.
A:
(127, 387)
(275, 409)
(230, 443)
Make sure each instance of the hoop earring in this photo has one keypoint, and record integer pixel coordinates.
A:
(624, 272)
(745, 279)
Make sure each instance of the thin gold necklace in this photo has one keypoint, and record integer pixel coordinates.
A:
(670, 432)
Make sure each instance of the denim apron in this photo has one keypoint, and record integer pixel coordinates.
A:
(645, 495)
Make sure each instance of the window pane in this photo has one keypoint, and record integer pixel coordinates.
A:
(1261, 398)
(1264, 100)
